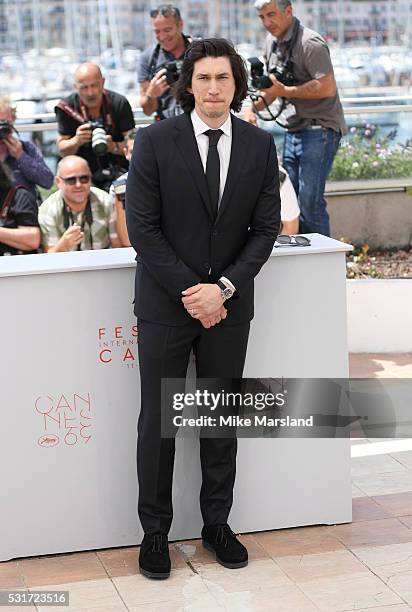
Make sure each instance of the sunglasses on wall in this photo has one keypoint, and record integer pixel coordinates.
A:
(296, 241)
(72, 180)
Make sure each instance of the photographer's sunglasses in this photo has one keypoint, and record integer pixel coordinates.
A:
(285, 240)
(72, 180)
(166, 11)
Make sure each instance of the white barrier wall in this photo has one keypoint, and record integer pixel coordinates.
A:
(380, 315)
(70, 402)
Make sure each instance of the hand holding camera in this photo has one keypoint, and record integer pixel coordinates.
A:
(280, 74)
(13, 144)
(83, 134)
(158, 84)
(277, 89)
(93, 131)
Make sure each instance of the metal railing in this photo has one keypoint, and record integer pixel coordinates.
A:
(377, 104)
(46, 122)
(352, 106)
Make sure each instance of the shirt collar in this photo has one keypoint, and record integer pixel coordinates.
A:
(200, 126)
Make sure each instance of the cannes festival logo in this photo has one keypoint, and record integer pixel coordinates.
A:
(65, 419)
(118, 344)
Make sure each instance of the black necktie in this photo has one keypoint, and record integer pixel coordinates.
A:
(213, 168)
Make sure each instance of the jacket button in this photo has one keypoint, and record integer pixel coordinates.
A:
(206, 265)
(215, 233)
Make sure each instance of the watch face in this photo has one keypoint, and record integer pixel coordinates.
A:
(227, 293)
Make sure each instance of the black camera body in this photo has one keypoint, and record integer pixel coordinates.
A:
(6, 128)
(173, 70)
(283, 73)
(95, 123)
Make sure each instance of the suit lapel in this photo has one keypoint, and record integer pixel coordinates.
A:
(186, 143)
(237, 158)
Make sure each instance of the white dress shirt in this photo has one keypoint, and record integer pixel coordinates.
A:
(224, 148)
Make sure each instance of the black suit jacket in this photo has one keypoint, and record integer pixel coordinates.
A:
(170, 222)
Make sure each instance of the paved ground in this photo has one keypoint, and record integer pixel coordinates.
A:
(365, 565)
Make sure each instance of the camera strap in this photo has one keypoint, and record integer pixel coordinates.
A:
(286, 61)
(275, 50)
(83, 116)
(87, 217)
(70, 111)
(153, 60)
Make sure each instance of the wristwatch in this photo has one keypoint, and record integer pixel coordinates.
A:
(225, 291)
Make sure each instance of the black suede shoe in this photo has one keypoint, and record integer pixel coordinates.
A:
(154, 560)
(221, 540)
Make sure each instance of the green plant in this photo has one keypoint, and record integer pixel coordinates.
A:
(45, 193)
(360, 254)
(364, 155)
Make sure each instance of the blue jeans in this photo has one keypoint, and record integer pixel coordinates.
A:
(308, 157)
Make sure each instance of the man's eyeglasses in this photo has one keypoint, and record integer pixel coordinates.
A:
(166, 10)
(72, 180)
(298, 241)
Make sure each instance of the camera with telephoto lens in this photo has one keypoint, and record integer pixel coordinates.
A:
(119, 187)
(173, 70)
(6, 128)
(99, 142)
(283, 73)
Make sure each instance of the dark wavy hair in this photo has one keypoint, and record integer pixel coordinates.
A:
(211, 47)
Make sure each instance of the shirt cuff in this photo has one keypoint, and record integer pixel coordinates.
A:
(227, 282)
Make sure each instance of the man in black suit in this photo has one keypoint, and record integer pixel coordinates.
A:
(203, 212)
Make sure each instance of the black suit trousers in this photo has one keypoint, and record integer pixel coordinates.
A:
(164, 352)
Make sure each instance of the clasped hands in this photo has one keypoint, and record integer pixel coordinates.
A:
(204, 302)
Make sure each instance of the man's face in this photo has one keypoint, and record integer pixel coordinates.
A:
(274, 20)
(213, 86)
(129, 149)
(6, 115)
(78, 192)
(89, 85)
(168, 32)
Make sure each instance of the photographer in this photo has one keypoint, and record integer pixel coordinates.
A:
(92, 123)
(19, 231)
(118, 195)
(77, 217)
(159, 65)
(23, 159)
(313, 115)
